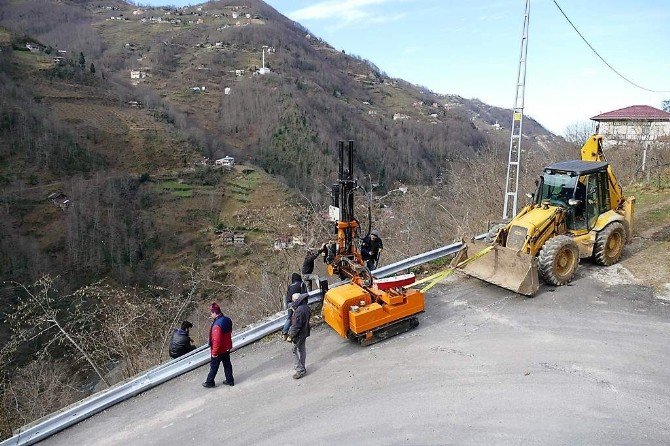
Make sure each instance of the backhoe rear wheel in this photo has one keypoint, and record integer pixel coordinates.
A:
(609, 243)
(558, 260)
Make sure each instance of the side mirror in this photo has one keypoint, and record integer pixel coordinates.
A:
(573, 202)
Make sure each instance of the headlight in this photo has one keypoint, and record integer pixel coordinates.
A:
(516, 237)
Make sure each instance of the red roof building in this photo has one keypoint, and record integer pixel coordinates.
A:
(637, 124)
(634, 113)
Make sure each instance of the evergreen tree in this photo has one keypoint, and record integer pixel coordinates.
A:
(92, 68)
(82, 60)
(666, 105)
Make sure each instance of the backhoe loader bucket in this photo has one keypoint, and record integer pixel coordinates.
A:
(500, 266)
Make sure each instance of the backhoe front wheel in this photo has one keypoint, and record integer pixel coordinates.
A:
(609, 244)
(558, 260)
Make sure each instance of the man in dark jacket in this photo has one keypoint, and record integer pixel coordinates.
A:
(371, 248)
(220, 343)
(307, 270)
(299, 332)
(296, 286)
(181, 342)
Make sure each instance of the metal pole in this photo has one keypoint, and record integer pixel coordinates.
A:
(516, 134)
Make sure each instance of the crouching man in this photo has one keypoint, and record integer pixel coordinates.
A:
(299, 332)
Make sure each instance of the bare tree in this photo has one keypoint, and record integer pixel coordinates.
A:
(38, 315)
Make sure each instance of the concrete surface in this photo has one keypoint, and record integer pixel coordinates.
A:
(581, 364)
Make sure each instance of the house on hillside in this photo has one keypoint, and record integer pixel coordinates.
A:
(283, 242)
(34, 47)
(634, 124)
(137, 74)
(238, 238)
(60, 199)
(226, 161)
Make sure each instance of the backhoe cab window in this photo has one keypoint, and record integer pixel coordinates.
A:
(557, 188)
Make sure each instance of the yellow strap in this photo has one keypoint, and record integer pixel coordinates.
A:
(436, 278)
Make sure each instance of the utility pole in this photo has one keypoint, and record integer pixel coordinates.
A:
(514, 158)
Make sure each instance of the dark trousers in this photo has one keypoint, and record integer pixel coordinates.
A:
(214, 367)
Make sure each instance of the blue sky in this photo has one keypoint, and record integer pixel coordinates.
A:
(471, 48)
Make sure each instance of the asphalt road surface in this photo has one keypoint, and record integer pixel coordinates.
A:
(581, 364)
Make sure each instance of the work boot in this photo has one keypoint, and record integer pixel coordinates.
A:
(208, 385)
(298, 375)
(228, 383)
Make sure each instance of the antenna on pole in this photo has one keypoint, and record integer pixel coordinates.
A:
(514, 158)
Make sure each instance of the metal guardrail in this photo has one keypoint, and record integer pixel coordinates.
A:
(164, 372)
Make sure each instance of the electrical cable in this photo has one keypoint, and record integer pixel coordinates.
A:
(602, 58)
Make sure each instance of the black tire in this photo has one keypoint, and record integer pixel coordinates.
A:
(558, 260)
(609, 243)
(493, 232)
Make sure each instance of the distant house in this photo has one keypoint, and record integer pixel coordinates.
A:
(59, 199)
(34, 47)
(226, 161)
(239, 73)
(198, 89)
(497, 126)
(297, 240)
(235, 15)
(399, 117)
(238, 238)
(283, 242)
(137, 74)
(637, 123)
(227, 237)
(226, 90)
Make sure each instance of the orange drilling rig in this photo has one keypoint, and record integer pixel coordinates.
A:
(367, 310)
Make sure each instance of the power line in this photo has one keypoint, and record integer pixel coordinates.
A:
(603, 59)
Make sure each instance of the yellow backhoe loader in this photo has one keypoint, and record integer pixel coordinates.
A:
(579, 211)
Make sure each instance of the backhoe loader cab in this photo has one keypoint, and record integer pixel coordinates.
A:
(579, 211)
(579, 187)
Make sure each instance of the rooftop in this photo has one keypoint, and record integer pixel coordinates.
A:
(634, 113)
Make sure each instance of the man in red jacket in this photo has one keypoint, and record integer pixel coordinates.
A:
(220, 343)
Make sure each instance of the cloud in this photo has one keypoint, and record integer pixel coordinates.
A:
(344, 12)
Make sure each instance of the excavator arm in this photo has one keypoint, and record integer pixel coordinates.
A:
(592, 150)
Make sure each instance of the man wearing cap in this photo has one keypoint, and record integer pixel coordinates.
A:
(220, 343)
(299, 332)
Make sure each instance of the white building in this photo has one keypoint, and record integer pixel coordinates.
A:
(637, 123)
(226, 161)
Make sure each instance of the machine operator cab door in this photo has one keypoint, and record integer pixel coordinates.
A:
(580, 187)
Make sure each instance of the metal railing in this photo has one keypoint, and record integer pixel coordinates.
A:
(100, 401)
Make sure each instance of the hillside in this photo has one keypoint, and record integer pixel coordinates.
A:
(287, 119)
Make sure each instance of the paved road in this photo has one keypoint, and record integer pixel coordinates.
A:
(582, 364)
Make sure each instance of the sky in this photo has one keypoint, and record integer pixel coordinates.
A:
(472, 48)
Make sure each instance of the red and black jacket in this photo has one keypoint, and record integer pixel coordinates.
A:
(220, 335)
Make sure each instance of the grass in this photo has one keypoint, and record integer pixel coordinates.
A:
(180, 190)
